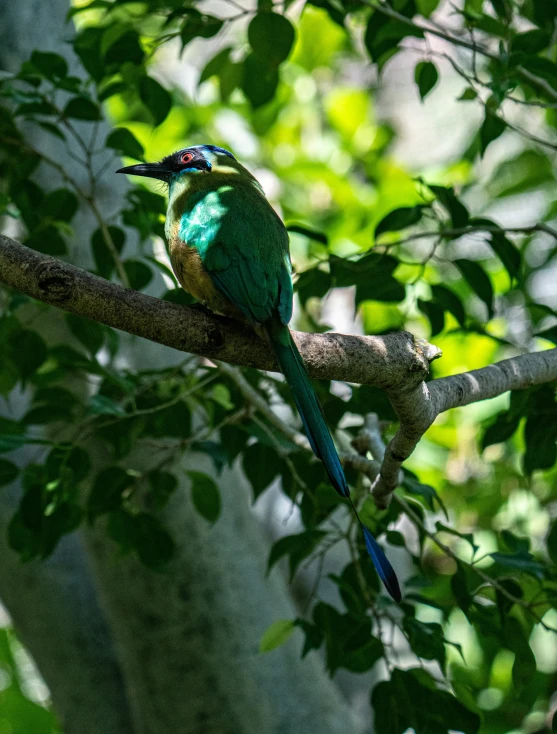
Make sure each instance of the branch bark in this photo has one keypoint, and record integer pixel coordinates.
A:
(397, 362)
(389, 361)
(419, 406)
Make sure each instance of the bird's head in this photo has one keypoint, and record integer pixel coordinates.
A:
(198, 159)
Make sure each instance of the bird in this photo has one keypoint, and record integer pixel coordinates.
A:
(230, 250)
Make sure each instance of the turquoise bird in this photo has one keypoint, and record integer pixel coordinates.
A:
(230, 250)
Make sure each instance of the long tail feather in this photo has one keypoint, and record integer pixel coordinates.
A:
(321, 441)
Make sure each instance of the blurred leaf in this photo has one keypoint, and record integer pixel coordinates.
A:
(104, 260)
(399, 219)
(426, 639)
(456, 209)
(29, 351)
(60, 204)
(492, 127)
(90, 333)
(259, 81)
(271, 37)
(309, 233)
(82, 108)
(435, 315)
(276, 635)
(531, 42)
(521, 561)
(426, 77)
(410, 700)
(312, 283)
(124, 142)
(215, 65)
(478, 280)
(205, 495)
(449, 301)
(107, 490)
(8, 472)
(50, 65)
(139, 274)
(155, 97)
(196, 24)
(296, 547)
(261, 465)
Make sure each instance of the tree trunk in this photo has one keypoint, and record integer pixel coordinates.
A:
(125, 649)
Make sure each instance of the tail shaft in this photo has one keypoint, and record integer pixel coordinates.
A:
(320, 438)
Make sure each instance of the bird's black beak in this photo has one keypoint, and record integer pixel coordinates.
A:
(150, 170)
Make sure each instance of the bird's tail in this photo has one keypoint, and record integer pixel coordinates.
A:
(320, 438)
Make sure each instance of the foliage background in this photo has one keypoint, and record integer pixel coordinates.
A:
(417, 176)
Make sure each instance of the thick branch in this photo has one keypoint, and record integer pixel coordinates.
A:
(385, 361)
(419, 406)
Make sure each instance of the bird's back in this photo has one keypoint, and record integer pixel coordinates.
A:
(228, 246)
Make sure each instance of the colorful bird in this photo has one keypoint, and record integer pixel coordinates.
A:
(230, 250)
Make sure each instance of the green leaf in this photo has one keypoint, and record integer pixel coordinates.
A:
(59, 205)
(50, 65)
(261, 465)
(551, 542)
(492, 127)
(8, 472)
(153, 542)
(500, 430)
(82, 108)
(426, 491)
(276, 635)
(426, 77)
(468, 95)
(309, 233)
(449, 301)
(426, 639)
(101, 405)
(260, 81)
(29, 351)
(215, 65)
(505, 250)
(90, 333)
(312, 283)
(399, 219)
(104, 260)
(205, 495)
(196, 24)
(456, 209)
(531, 42)
(162, 486)
(296, 547)
(521, 561)
(155, 97)
(540, 434)
(549, 334)
(382, 36)
(410, 700)
(434, 313)
(125, 143)
(139, 274)
(10, 442)
(349, 642)
(121, 44)
(108, 488)
(271, 37)
(478, 280)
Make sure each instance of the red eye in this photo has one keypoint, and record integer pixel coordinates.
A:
(187, 157)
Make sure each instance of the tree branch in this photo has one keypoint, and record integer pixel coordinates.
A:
(385, 361)
(419, 406)
(397, 362)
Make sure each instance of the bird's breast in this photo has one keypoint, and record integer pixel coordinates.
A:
(194, 278)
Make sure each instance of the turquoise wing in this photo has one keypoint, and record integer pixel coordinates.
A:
(244, 247)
